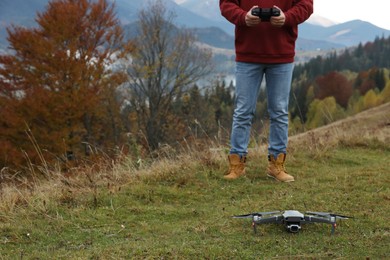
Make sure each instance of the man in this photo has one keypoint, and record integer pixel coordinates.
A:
(263, 49)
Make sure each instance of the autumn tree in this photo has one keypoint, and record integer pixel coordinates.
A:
(323, 112)
(336, 85)
(57, 91)
(386, 92)
(371, 99)
(164, 62)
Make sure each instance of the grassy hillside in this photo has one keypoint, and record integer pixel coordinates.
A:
(181, 208)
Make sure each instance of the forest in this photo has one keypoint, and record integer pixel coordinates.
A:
(329, 88)
(74, 90)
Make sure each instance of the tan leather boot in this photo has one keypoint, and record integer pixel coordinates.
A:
(237, 166)
(276, 169)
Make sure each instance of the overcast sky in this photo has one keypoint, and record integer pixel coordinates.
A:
(374, 11)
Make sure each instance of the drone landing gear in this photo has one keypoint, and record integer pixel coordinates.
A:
(334, 225)
(254, 227)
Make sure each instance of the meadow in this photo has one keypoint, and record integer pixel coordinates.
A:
(180, 207)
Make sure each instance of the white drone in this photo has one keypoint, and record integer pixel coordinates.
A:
(293, 219)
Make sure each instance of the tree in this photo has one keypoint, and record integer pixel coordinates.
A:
(302, 94)
(371, 99)
(334, 84)
(385, 94)
(379, 78)
(164, 62)
(57, 86)
(371, 79)
(323, 112)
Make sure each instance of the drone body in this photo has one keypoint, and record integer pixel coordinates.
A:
(292, 219)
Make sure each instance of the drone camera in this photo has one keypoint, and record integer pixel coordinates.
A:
(293, 228)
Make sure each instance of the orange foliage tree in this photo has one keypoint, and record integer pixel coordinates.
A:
(371, 79)
(334, 84)
(57, 88)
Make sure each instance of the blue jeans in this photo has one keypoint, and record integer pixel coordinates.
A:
(248, 80)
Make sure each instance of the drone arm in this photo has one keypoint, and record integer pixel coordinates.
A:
(327, 214)
(316, 219)
(273, 219)
(329, 220)
(267, 220)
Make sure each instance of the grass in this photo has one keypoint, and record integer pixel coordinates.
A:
(181, 208)
(185, 213)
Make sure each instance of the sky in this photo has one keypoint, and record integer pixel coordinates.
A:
(376, 12)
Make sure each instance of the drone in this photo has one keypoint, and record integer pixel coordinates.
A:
(293, 219)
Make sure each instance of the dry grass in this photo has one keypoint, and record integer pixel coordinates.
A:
(368, 126)
(35, 192)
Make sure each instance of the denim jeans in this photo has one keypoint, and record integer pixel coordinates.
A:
(278, 84)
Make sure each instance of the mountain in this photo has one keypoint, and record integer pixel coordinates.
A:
(23, 13)
(322, 31)
(208, 9)
(321, 21)
(216, 37)
(348, 34)
(211, 27)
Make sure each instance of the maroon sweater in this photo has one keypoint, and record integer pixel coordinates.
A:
(265, 43)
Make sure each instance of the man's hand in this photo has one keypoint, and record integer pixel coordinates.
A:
(278, 21)
(250, 19)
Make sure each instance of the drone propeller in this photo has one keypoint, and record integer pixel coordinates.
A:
(327, 214)
(340, 216)
(259, 214)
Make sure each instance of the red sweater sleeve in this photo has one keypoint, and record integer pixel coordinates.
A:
(299, 12)
(230, 9)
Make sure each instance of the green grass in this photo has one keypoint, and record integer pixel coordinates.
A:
(185, 213)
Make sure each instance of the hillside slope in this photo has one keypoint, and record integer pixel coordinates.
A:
(372, 123)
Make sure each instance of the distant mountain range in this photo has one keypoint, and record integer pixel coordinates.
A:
(317, 33)
(208, 25)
